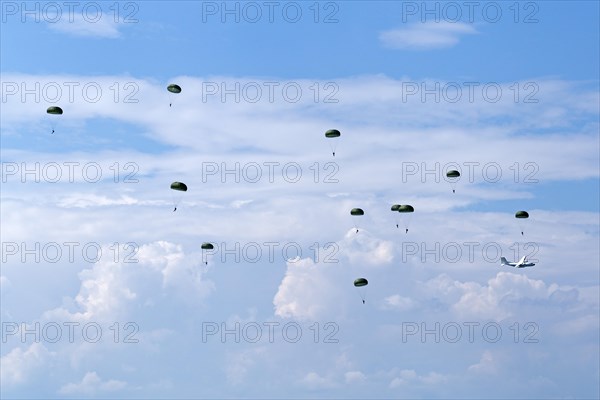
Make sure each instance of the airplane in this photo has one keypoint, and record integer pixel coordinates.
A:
(521, 264)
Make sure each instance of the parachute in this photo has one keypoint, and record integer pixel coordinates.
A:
(521, 215)
(395, 207)
(359, 283)
(206, 246)
(356, 212)
(333, 134)
(54, 110)
(173, 88)
(180, 187)
(453, 174)
(406, 209)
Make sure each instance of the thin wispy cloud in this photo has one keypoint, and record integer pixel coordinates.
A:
(427, 35)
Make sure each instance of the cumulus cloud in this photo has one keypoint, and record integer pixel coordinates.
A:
(397, 302)
(427, 35)
(91, 384)
(307, 291)
(499, 299)
(354, 377)
(314, 381)
(486, 365)
(110, 288)
(17, 366)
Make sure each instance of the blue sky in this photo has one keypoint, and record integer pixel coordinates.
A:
(509, 99)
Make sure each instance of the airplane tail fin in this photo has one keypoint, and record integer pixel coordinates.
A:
(503, 261)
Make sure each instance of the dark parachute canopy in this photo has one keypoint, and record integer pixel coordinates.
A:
(395, 207)
(360, 282)
(522, 214)
(179, 186)
(406, 208)
(332, 133)
(54, 110)
(357, 211)
(173, 88)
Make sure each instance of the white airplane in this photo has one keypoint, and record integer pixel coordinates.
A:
(521, 264)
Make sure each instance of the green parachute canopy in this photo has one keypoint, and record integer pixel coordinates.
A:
(406, 208)
(207, 246)
(453, 173)
(357, 211)
(395, 207)
(332, 133)
(179, 186)
(360, 282)
(54, 110)
(173, 88)
(522, 214)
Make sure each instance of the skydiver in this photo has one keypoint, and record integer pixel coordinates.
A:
(397, 226)
(334, 153)
(406, 230)
(357, 231)
(175, 209)
(52, 131)
(363, 302)
(521, 233)
(453, 191)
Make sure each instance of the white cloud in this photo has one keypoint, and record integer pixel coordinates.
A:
(427, 35)
(314, 381)
(109, 289)
(486, 365)
(240, 363)
(91, 385)
(354, 377)
(499, 299)
(363, 248)
(397, 302)
(308, 291)
(95, 23)
(16, 366)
